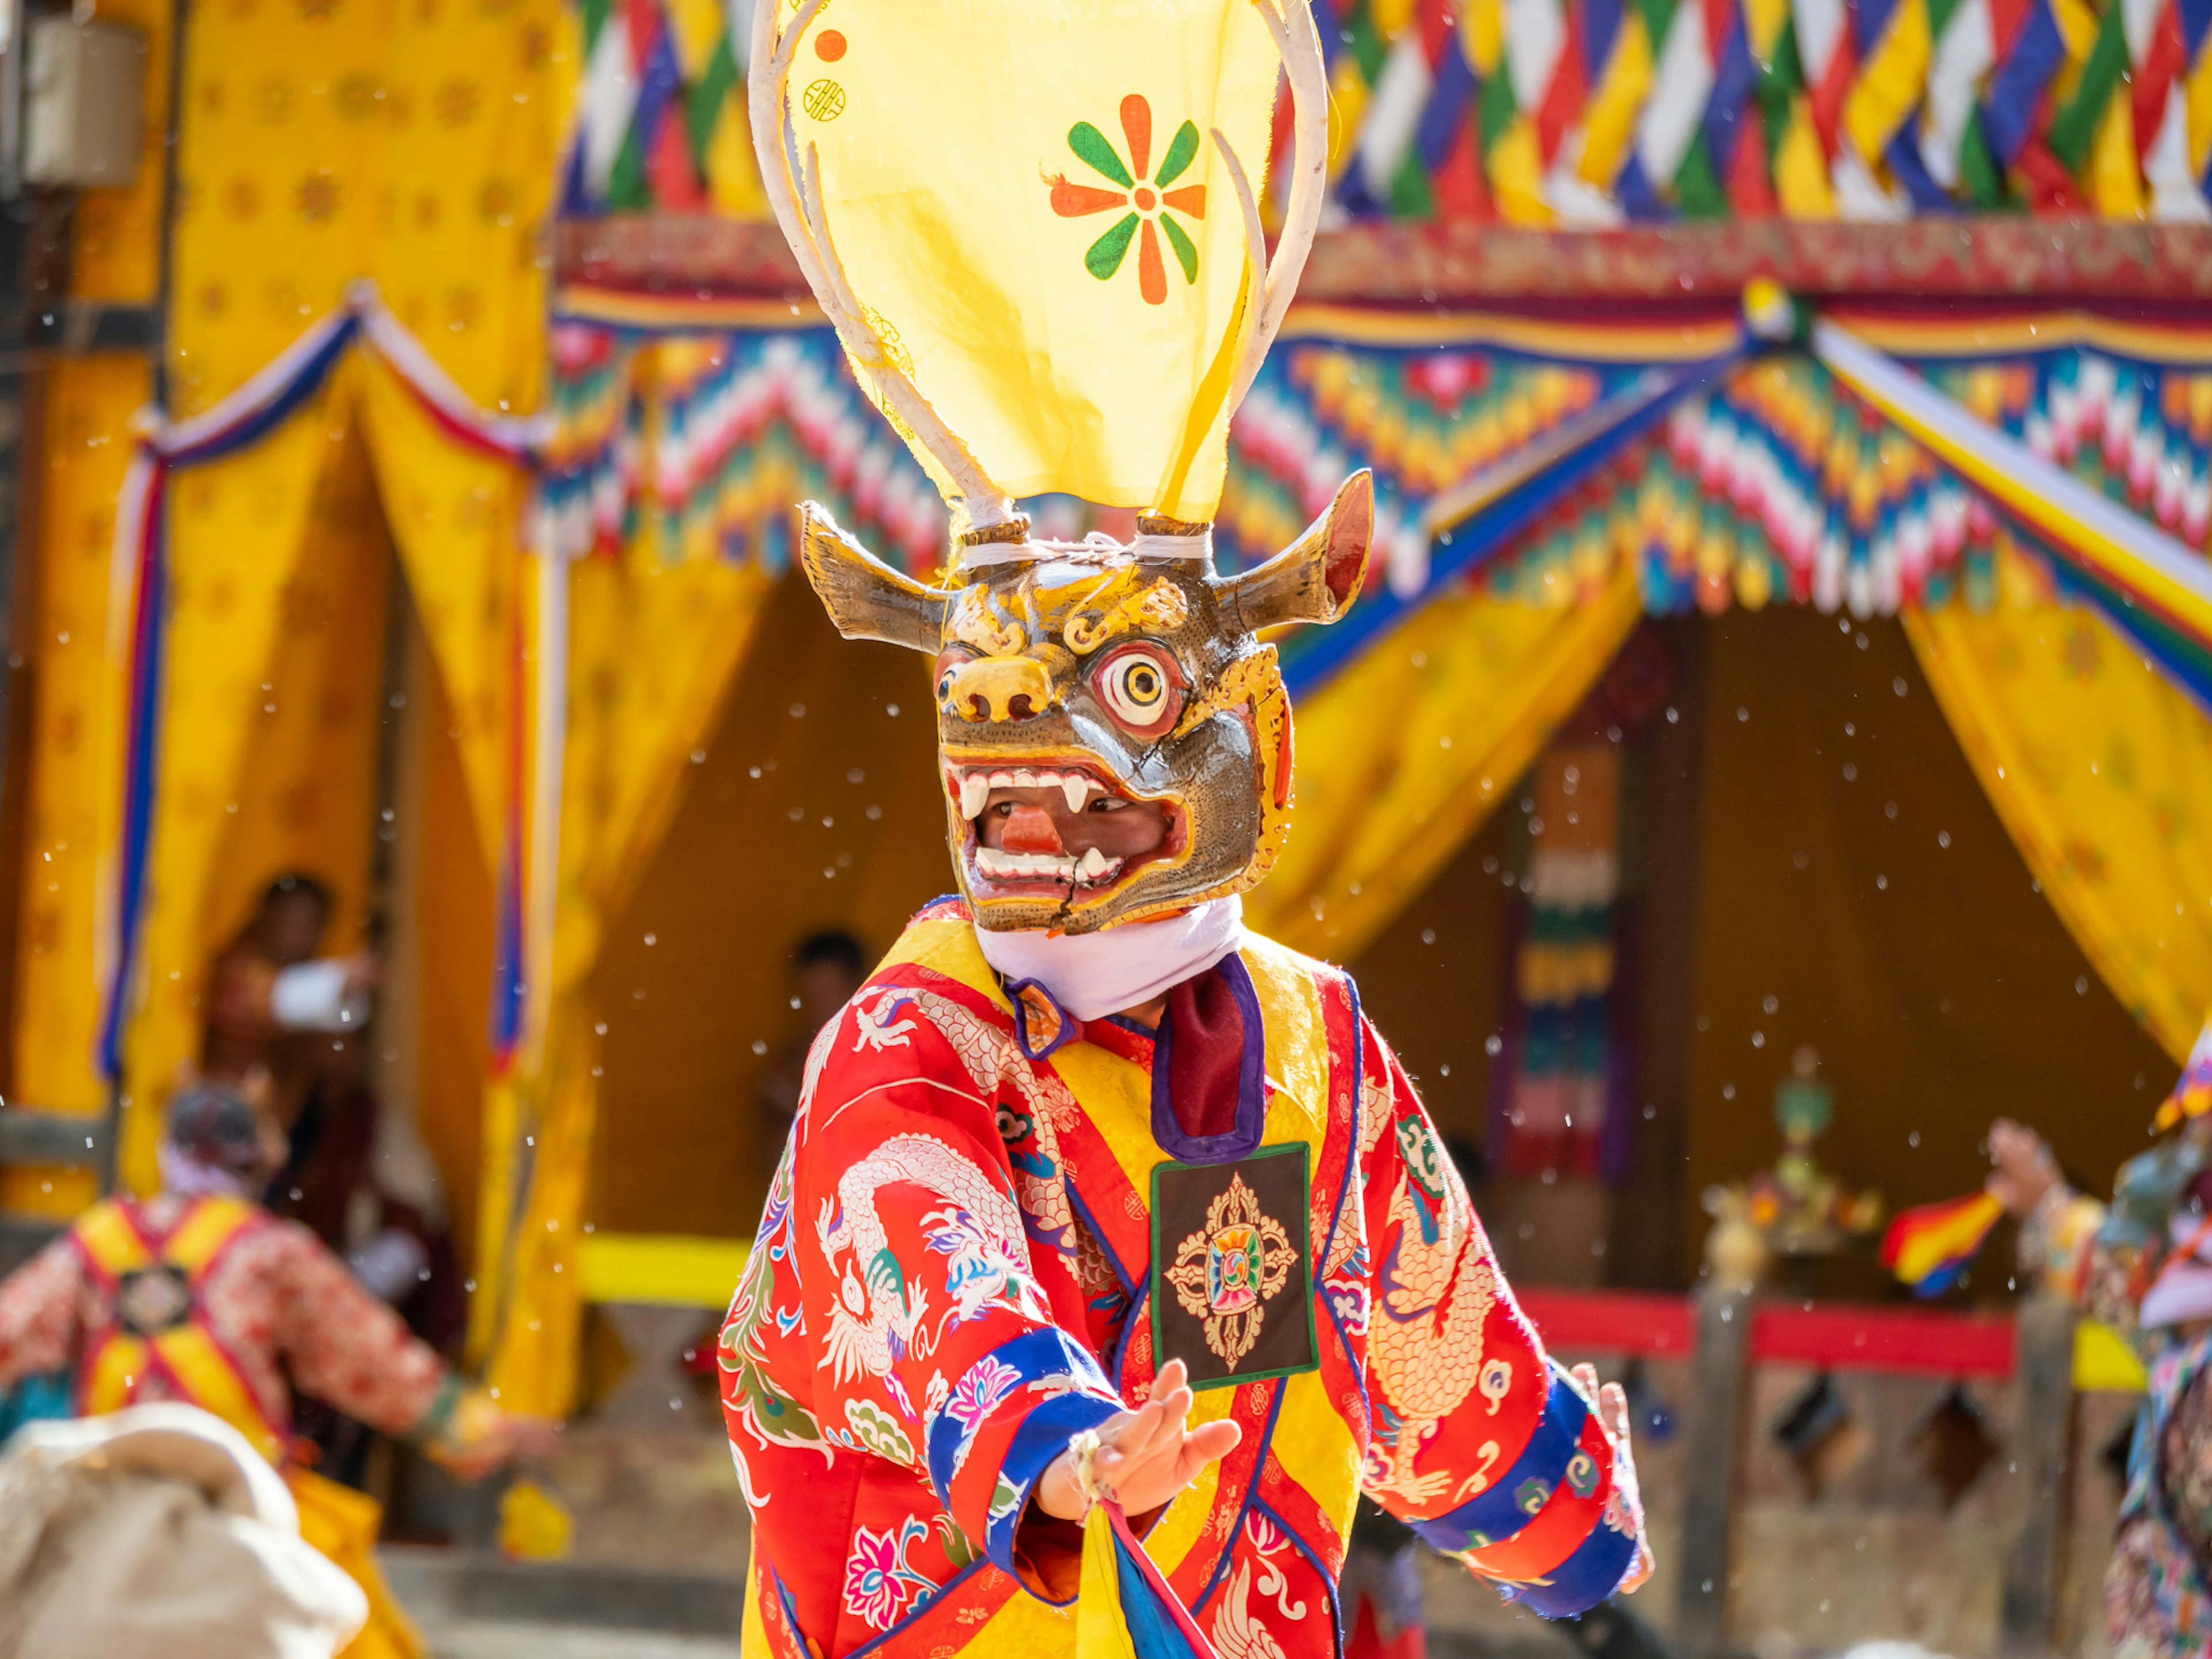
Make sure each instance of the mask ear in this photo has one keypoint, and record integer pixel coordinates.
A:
(1317, 577)
(865, 596)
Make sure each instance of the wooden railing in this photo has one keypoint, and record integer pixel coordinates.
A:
(2050, 1355)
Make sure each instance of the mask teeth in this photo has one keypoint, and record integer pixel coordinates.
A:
(974, 787)
(1001, 865)
(1095, 867)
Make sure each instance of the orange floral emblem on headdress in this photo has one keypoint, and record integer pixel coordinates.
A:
(1149, 199)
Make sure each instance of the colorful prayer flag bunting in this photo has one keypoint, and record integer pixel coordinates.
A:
(1590, 112)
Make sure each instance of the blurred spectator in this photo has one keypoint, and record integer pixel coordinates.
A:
(362, 1180)
(270, 999)
(1381, 1589)
(2142, 1265)
(200, 1296)
(831, 965)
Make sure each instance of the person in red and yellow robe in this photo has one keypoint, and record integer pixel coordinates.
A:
(198, 1295)
(1092, 1193)
(971, 1254)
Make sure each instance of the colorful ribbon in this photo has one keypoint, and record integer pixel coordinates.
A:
(2149, 584)
(1125, 1609)
(1928, 1247)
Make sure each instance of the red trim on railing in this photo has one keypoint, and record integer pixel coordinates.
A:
(1834, 1336)
(1841, 1337)
(1611, 1322)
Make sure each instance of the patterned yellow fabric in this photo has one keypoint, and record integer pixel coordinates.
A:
(114, 257)
(307, 780)
(73, 780)
(335, 139)
(652, 648)
(323, 143)
(458, 519)
(241, 533)
(2102, 771)
(1063, 264)
(1476, 685)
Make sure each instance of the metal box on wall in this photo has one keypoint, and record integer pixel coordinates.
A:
(83, 104)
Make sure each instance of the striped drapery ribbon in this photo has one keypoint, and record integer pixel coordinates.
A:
(2151, 586)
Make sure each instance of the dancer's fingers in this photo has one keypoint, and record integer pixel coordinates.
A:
(1209, 1442)
(1164, 1432)
(1612, 1402)
(1134, 1434)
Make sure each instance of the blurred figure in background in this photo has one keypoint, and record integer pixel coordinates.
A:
(271, 998)
(359, 1179)
(830, 966)
(200, 1296)
(2142, 1265)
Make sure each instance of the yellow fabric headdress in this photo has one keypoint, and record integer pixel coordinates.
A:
(1051, 209)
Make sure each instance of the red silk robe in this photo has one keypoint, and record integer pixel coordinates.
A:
(955, 1274)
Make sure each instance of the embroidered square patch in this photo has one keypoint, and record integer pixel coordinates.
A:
(1233, 1276)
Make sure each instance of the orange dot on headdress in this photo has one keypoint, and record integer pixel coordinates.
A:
(829, 45)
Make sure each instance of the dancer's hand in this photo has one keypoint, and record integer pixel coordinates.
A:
(1613, 1418)
(2025, 1169)
(1145, 1457)
(482, 1438)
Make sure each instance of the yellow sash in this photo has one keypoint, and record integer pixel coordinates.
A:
(343, 1524)
(1310, 1442)
(118, 1360)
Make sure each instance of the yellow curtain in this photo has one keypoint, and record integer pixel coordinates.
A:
(322, 144)
(73, 781)
(306, 776)
(653, 647)
(237, 531)
(1402, 756)
(2102, 772)
(115, 258)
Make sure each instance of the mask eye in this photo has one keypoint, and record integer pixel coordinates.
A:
(1142, 688)
(947, 663)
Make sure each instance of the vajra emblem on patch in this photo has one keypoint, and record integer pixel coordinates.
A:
(1232, 1290)
(151, 1300)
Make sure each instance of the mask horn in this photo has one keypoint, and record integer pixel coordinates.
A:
(865, 596)
(1317, 577)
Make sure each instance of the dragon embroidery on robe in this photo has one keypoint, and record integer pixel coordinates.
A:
(1424, 1346)
(878, 1312)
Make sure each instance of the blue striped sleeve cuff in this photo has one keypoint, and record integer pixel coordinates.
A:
(1010, 1414)
(1516, 1497)
(1585, 1578)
